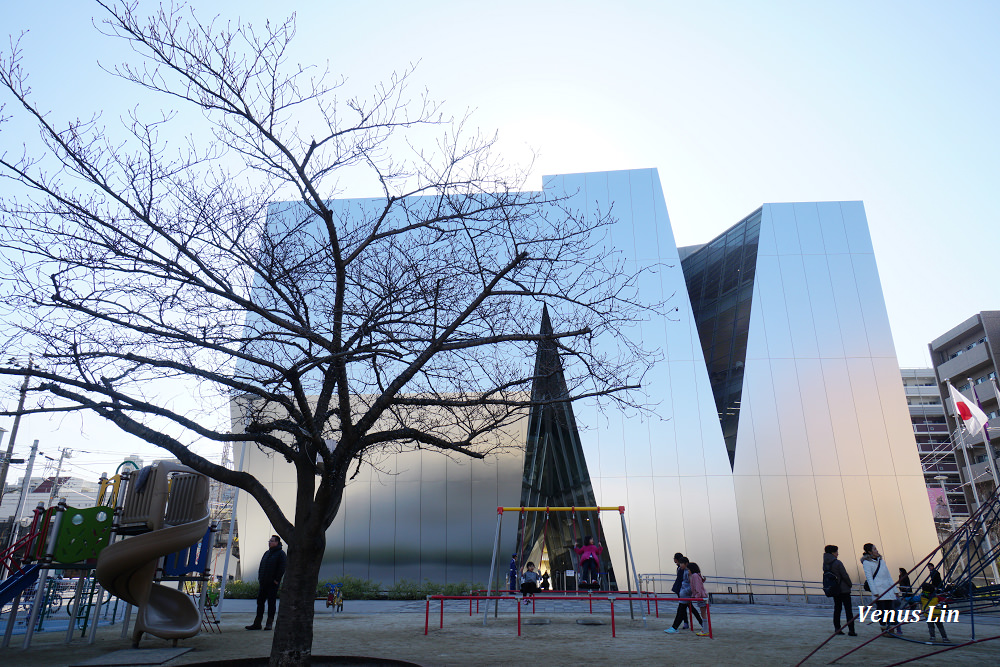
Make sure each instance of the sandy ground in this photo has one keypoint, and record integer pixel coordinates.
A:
(744, 635)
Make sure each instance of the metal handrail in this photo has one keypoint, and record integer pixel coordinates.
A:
(723, 585)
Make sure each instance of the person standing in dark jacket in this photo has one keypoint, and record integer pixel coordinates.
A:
(843, 599)
(272, 568)
(676, 588)
(935, 578)
(905, 587)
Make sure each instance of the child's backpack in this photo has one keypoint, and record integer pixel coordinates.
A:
(831, 583)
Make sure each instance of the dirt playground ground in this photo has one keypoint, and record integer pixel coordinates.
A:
(745, 635)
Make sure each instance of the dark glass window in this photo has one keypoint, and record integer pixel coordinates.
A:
(719, 279)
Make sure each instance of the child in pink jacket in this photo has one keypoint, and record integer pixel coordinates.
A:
(589, 560)
(698, 591)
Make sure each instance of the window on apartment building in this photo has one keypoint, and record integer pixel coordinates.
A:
(924, 400)
(968, 347)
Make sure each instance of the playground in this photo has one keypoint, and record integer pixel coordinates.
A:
(159, 517)
(750, 635)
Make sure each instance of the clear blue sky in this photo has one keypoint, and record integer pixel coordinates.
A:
(736, 104)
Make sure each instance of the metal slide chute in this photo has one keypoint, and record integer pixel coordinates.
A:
(172, 501)
(126, 569)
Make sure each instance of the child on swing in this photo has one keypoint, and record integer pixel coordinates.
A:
(529, 583)
(589, 560)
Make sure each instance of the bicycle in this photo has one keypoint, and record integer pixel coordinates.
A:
(51, 603)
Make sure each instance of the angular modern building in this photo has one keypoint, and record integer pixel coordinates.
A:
(781, 424)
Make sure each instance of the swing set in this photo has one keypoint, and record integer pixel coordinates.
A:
(531, 514)
(528, 527)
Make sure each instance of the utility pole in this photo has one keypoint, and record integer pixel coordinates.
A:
(13, 430)
(25, 485)
(65, 453)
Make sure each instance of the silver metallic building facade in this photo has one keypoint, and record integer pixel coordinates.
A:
(781, 423)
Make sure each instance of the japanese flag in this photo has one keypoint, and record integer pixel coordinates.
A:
(966, 410)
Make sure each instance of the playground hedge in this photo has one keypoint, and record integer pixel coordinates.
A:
(355, 588)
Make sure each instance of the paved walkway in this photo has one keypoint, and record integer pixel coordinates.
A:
(600, 603)
(752, 635)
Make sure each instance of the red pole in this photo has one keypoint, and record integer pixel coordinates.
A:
(518, 616)
(612, 617)
(442, 612)
(427, 616)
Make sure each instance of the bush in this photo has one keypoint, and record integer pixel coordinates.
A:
(355, 588)
(410, 590)
(461, 588)
(242, 590)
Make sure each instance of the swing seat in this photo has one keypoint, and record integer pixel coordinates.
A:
(589, 621)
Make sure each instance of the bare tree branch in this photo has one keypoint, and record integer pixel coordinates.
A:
(340, 330)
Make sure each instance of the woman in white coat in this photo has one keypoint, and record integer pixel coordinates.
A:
(883, 588)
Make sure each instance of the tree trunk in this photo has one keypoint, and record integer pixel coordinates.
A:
(293, 633)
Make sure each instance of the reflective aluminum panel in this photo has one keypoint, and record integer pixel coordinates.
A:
(824, 451)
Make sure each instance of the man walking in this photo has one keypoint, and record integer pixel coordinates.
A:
(272, 568)
(679, 582)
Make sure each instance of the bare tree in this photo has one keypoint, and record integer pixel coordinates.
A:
(339, 329)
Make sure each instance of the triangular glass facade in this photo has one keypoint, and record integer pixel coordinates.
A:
(719, 278)
(555, 471)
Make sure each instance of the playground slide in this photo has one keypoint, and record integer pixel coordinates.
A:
(15, 584)
(126, 569)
